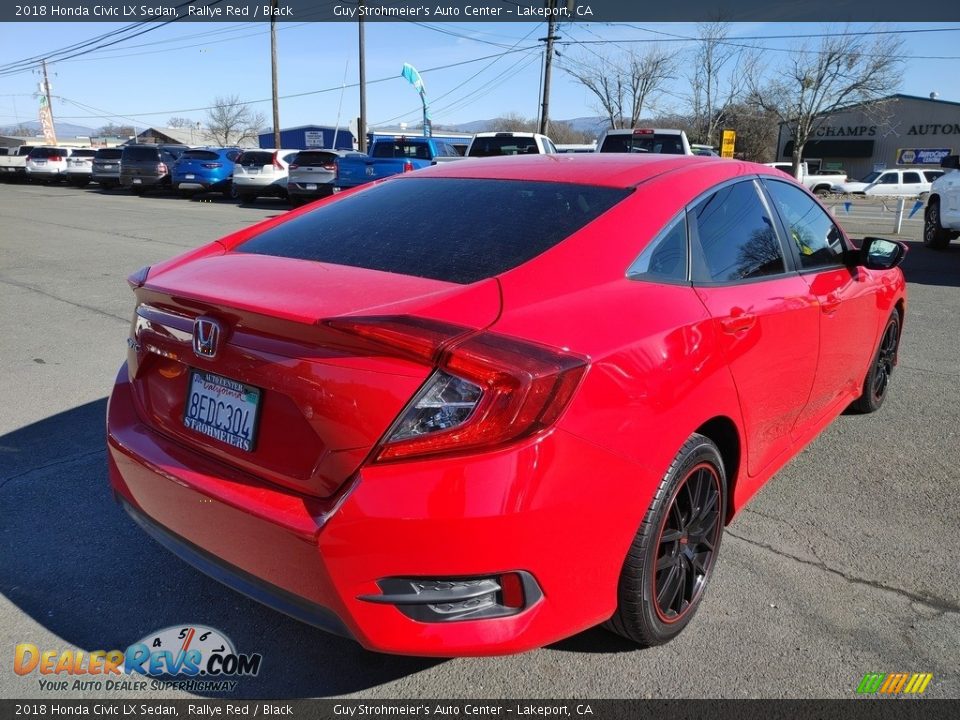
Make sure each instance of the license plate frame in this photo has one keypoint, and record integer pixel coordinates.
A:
(244, 416)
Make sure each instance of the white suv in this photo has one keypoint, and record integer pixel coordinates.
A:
(909, 182)
(941, 219)
(645, 140)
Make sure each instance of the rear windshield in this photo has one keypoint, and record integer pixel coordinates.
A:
(43, 152)
(84, 153)
(494, 146)
(199, 155)
(401, 149)
(137, 154)
(315, 158)
(254, 158)
(109, 154)
(439, 228)
(656, 143)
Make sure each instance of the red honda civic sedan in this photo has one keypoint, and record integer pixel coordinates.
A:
(481, 407)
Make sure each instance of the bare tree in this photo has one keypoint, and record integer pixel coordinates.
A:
(180, 122)
(716, 82)
(627, 86)
(230, 121)
(842, 70)
(117, 130)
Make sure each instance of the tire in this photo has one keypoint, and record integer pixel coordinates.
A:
(247, 198)
(664, 577)
(877, 382)
(822, 191)
(934, 236)
(227, 191)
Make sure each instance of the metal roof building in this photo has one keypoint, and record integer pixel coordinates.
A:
(897, 131)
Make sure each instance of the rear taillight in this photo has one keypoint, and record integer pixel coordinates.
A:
(276, 162)
(54, 158)
(487, 389)
(293, 166)
(408, 166)
(211, 166)
(162, 168)
(329, 167)
(137, 279)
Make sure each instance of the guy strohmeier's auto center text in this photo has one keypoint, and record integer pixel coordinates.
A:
(252, 11)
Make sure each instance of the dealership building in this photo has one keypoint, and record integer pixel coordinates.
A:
(897, 131)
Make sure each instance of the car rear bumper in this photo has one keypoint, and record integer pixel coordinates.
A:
(201, 184)
(300, 190)
(536, 508)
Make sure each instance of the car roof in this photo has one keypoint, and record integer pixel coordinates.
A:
(607, 169)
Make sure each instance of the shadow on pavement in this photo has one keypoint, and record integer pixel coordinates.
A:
(74, 563)
(932, 267)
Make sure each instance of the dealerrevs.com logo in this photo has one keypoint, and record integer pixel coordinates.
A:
(188, 657)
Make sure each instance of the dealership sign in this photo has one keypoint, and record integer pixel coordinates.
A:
(921, 156)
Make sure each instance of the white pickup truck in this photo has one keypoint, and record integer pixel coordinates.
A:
(817, 183)
(13, 166)
(941, 219)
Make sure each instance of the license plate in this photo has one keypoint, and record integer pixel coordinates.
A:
(39, 162)
(189, 176)
(109, 167)
(223, 409)
(311, 186)
(137, 181)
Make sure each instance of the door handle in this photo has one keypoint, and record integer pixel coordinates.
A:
(830, 303)
(738, 321)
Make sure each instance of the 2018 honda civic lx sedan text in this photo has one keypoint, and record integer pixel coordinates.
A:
(484, 406)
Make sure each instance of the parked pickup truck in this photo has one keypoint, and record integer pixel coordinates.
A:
(13, 166)
(391, 156)
(817, 183)
(941, 219)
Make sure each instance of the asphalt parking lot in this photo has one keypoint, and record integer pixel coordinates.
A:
(846, 562)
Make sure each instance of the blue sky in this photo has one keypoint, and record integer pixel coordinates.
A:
(183, 66)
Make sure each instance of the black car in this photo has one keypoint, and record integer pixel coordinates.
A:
(145, 167)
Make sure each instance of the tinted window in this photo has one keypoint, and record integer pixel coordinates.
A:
(911, 177)
(736, 236)
(140, 154)
(653, 143)
(871, 177)
(83, 153)
(932, 175)
(315, 158)
(233, 155)
(666, 257)
(889, 179)
(25, 150)
(449, 229)
(255, 158)
(109, 154)
(45, 152)
(494, 146)
(817, 239)
(387, 149)
(200, 155)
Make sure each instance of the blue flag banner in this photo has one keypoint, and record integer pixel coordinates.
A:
(413, 77)
(916, 206)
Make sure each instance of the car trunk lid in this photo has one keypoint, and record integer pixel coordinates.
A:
(316, 403)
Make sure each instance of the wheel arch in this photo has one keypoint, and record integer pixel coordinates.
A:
(724, 433)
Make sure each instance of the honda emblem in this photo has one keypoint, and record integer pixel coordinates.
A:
(206, 337)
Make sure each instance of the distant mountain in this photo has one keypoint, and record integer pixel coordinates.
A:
(591, 125)
(63, 129)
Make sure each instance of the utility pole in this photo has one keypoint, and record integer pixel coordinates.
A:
(273, 73)
(46, 92)
(545, 104)
(362, 125)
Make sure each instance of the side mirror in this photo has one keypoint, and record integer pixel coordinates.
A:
(880, 254)
(950, 162)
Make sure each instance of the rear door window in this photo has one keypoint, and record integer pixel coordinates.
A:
(665, 258)
(911, 177)
(452, 229)
(735, 236)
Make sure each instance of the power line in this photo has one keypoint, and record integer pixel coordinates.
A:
(305, 93)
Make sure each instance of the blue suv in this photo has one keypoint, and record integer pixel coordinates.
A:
(205, 170)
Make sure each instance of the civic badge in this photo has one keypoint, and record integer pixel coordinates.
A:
(206, 337)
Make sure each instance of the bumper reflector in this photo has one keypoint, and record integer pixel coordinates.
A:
(449, 599)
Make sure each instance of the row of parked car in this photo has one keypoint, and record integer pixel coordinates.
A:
(245, 174)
